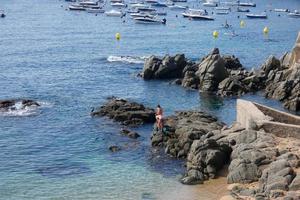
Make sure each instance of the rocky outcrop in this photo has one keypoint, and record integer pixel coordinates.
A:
(16, 104)
(126, 112)
(182, 129)
(166, 68)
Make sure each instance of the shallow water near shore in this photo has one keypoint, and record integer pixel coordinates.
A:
(71, 62)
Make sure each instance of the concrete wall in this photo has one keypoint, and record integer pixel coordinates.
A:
(256, 116)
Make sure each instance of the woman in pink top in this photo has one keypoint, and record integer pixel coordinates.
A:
(159, 117)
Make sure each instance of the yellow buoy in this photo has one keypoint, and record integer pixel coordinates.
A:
(216, 34)
(266, 30)
(118, 36)
(242, 24)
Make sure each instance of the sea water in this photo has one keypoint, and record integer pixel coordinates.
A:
(71, 62)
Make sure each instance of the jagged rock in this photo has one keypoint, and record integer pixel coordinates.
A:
(295, 185)
(130, 134)
(232, 63)
(277, 176)
(211, 72)
(231, 86)
(167, 68)
(128, 113)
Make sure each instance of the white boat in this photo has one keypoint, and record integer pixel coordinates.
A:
(230, 3)
(159, 4)
(257, 16)
(191, 12)
(139, 15)
(138, 5)
(250, 4)
(210, 4)
(242, 10)
(95, 10)
(201, 17)
(76, 7)
(222, 12)
(281, 10)
(145, 20)
(146, 9)
(223, 8)
(295, 14)
(114, 13)
(84, 3)
(119, 5)
(177, 7)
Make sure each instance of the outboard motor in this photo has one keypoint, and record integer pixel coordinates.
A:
(2, 15)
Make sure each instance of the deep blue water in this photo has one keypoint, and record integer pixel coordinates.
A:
(60, 57)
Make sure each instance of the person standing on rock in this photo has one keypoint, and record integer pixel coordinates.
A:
(159, 118)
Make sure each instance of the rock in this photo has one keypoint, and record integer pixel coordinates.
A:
(243, 171)
(272, 63)
(167, 68)
(232, 63)
(130, 134)
(128, 113)
(114, 148)
(231, 86)
(211, 72)
(295, 185)
(16, 104)
(295, 54)
(190, 80)
(277, 176)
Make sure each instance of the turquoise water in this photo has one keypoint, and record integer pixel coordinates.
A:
(63, 59)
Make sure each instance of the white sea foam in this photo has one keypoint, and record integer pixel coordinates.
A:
(127, 59)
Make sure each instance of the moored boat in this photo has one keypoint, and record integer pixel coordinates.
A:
(295, 14)
(210, 4)
(191, 12)
(146, 20)
(201, 17)
(146, 9)
(119, 5)
(257, 16)
(84, 3)
(159, 4)
(222, 12)
(281, 10)
(249, 4)
(114, 13)
(139, 15)
(76, 7)
(138, 5)
(177, 7)
(95, 10)
(223, 8)
(242, 10)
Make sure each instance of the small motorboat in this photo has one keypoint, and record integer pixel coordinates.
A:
(159, 4)
(210, 4)
(114, 13)
(95, 10)
(249, 4)
(191, 12)
(222, 12)
(177, 7)
(295, 14)
(146, 20)
(146, 9)
(76, 7)
(223, 8)
(179, 1)
(257, 16)
(201, 17)
(144, 15)
(138, 5)
(242, 10)
(119, 5)
(88, 3)
(281, 10)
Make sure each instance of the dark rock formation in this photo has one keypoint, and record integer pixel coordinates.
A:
(10, 104)
(166, 68)
(128, 113)
(130, 134)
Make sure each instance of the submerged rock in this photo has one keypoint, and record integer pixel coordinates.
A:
(130, 134)
(13, 104)
(114, 148)
(128, 113)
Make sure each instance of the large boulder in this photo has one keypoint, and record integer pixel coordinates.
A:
(126, 112)
(167, 68)
(211, 72)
